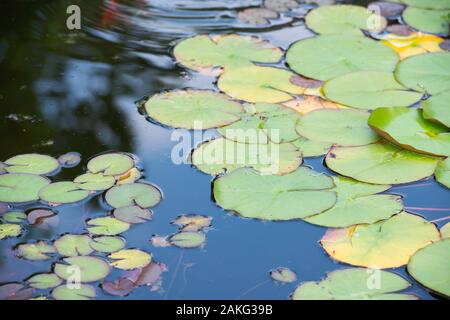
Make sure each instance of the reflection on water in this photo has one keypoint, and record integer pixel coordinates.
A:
(64, 91)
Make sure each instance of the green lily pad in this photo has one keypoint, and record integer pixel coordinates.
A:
(344, 19)
(429, 266)
(189, 239)
(141, 194)
(62, 193)
(436, 108)
(358, 203)
(9, 230)
(44, 281)
(385, 244)
(353, 284)
(110, 164)
(283, 275)
(380, 163)
(325, 57)
(224, 51)
(129, 259)
(431, 21)
(106, 226)
(14, 217)
(94, 181)
(407, 127)
(32, 163)
(220, 155)
(107, 244)
(88, 269)
(369, 90)
(259, 84)
(428, 4)
(442, 173)
(310, 148)
(71, 245)
(262, 120)
(133, 214)
(193, 109)
(21, 187)
(81, 292)
(38, 251)
(425, 72)
(445, 231)
(296, 195)
(344, 127)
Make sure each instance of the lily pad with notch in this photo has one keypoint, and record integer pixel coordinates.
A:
(141, 194)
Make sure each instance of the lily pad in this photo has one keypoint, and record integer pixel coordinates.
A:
(15, 291)
(429, 4)
(257, 16)
(429, 266)
(369, 90)
(9, 230)
(193, 109)
(344, 127)
(325, 57)
(128, 259)
(386, 244)
(344, 19)
(192, 222)
(94, 181)
(387, 9)
(38, 251)
(358, 203)
(280, 5)
(44, 281)
(437, 108)
(21, 187)
(81, 292)
(283, 275)
(130, 176)
(71, 245)
(432, 21)
(407, 128)
(62, 193)
(443, 172)
(32, 163)
(133, 214)
(37, 216)
(69, 159)
(306, 104)
(107, 244)
(445, 230)
(299, 194)
(88, 269)
(106, 226)
(187, 239)
(14, 217)
(311, 148)
(412, 44)
(259, 84)
(141, 194)
(380, 163)
(110, 164)
(425, 72)
(355, 284)
(120, 287)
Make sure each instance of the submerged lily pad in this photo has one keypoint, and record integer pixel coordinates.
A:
(69, 159)
(325, 57)
(38, 251)
(21, 187)
(432, 21)
(128, 259)
(443, 172)
(192, 222)
(296, 195)
(280, 5)
(37, 216)
(284, 275)
(106, 226)
(381, 163)
(94, 181)
(107, 244)
(369, 90)
(31, 163)
(15, 291)
(193, 109)
(257, 16)
(429, 266)
(436, 108)
(141, 194)
(344, 127)
(386, 244)
(355, 284)
(81, 292)
(71, 245)
(407, 127)
(110, 164)
(14, 217)
(44, 281)
(89, 269)
(133, 214)
(189, 239)
(9, 230)
(62, 193)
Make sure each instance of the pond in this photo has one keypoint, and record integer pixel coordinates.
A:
(76, 91)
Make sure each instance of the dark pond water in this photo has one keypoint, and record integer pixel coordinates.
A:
(64, 91)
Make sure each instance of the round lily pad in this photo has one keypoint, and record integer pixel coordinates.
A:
(259, 84)
(38, 251)
(385, 244)
(380, 163)
(107, 244)
(295, 195)
(407, 127)
(387, 9)
(69, 159)
(110, 164)
(428, 4)
(189, 239)
(429, 266)
(88, 269)
(436, 108)
(71, 245)
(94, 181)
(344, 127)
(432, 21)
(133, 214)
(425, 72)
(369, 90)
(9, 230)
(21, 187)
(81, 292)
(128, 259)
(31, 163)
(283, 275)
(63, 192)
(193, 109)
(44, 281)
(106, 226)
(344, 19)
(14, 217)
(310, 148)
(141, 194)
(443, 172)
(355, 284)
(325, 57)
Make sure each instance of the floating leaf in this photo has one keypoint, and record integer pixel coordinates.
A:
(127, 195)
(94, 181)
(187, 239)
(257, 16)
(306, 104)
(192, 222)
(429, 266)
(70, 159)
(407, 128)
(14, 217)
(62, 193)
(284, 275)
(193, 109)
(325, 57)
(306, 82)
(160, 242)
(31, 163)
(107, 244)
(369, 90)
(358, 203)
(44, 281)
(399, 30)
(445, 230)
(89, 269)
(110, 164)
(344, 127)
(38, 251)
(344, 19)
(3, 208)
(436, 108)
(412, 44)
(355, 284)
(71, 245)
(380, 163)
(9, 230)
(131, 176)
(15, 291)
(429, 4)
(280, 5)
(387, 9)
(432, 21)
(128, 259)
(259, 84)
(445, 45)
(81, 292)
(296, 195)
(121, 287)
(151, 274)
(443, 172)
(311, 148)
(106, 226)
(133, 214)
(21, 187)
(37, 216)
(385, 244)
(425, 72)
